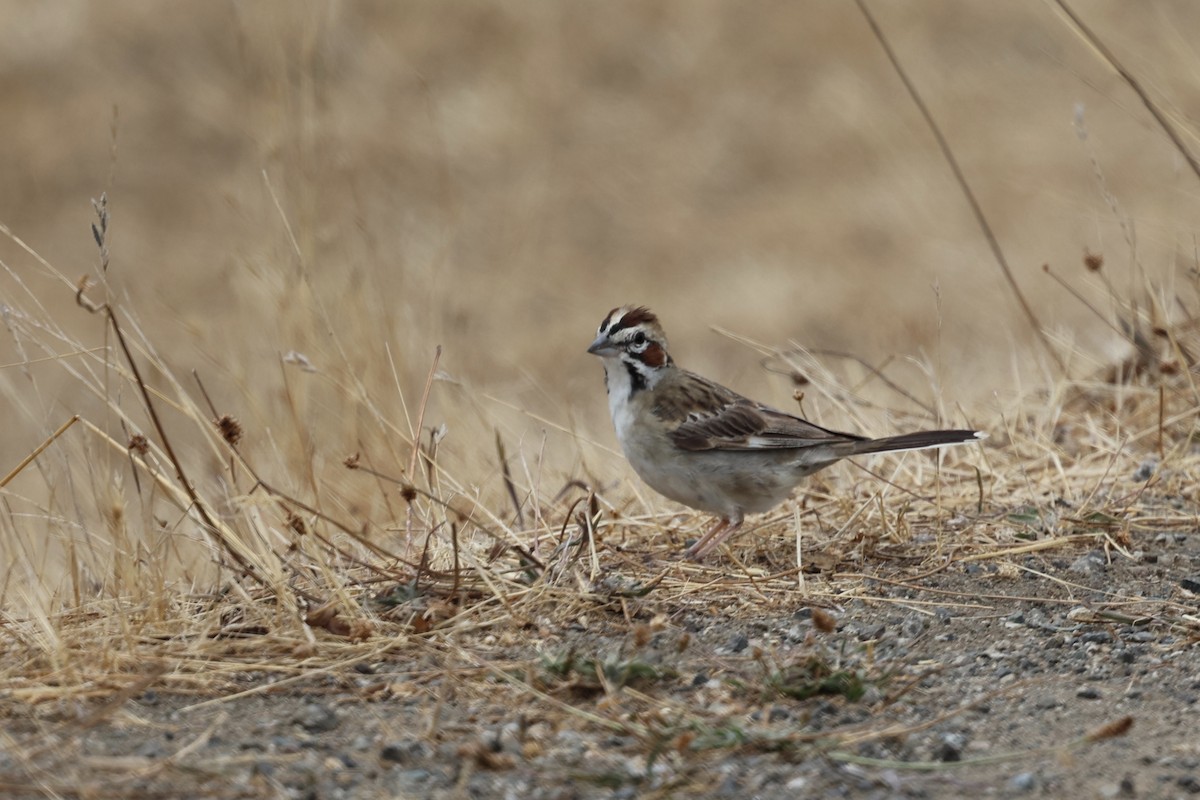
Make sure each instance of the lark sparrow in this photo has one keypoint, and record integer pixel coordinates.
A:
(700, 444)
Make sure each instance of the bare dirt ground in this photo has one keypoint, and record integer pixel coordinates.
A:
(329, 503)
(883, 685)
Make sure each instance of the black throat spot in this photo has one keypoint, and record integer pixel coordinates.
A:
(637, 381)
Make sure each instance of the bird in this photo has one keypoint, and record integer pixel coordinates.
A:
(701, 444)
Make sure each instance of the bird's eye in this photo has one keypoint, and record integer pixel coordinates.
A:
(639, 339)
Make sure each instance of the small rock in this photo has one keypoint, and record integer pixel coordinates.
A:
(871, 632)
(1189, 783)
(510, 738)
(738, 643)
(1088, 564)
(1146, 470)
(950, 748)
(415, 775)
(1191, 583)
(317, 718)
(1023, 782)
(731, 786)
(1088, 693)
(402, 751)
(871, 696)
(286, 744)
(152, 749)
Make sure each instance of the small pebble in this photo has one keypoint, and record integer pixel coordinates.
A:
(415, 775)
(950, 747)
(401, 751)
(1023, 782)
(317, 718)
(1146, 470)
(286, 744)
(871, 632)
(1088, 564)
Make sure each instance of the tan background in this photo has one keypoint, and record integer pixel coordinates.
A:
(494, 177)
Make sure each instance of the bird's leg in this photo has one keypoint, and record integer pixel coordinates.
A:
(725, 527)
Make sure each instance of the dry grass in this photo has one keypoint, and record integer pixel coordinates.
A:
(239, 507)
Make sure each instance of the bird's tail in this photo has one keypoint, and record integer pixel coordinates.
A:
(922, 440)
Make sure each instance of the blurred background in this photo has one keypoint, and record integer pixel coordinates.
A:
(360, 182)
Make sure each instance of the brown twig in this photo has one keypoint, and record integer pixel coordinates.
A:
(1133, 82)
(37, 451)
(976, 208)
(509, 486)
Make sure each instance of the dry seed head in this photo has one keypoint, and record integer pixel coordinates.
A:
(230, 428)
(296, 524)
(1093, 261)
(351, 462)
(641, 636)
(138, 444)
(408, 492)
(1008, 570)
(1112, 730)
(823, 620)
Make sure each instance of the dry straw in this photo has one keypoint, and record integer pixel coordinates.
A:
(154, 542)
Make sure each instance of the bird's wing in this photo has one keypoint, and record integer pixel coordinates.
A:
(707, 416)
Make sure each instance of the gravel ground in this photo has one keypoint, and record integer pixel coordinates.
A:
(970, 662)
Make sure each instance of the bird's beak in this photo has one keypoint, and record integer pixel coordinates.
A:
(602, 347)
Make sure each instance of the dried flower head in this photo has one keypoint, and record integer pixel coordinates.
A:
(230, 428)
